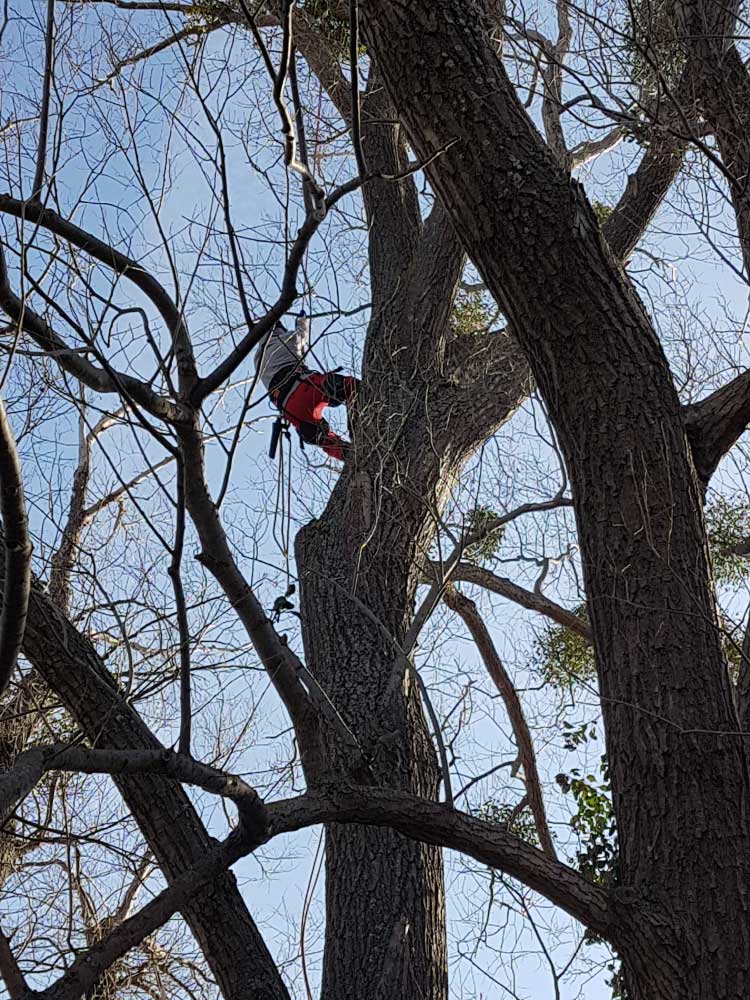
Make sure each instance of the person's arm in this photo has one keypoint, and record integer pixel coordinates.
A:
(302, 335)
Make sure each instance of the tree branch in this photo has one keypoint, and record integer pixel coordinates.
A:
(74, 363)
(69, 663)
(286, 297)
(253, 821)
(49, 57)
(121, 265)
(468, 573)
(433, 823)
(715, 423)
(12, 976)
(467, 610)
(17, 553)
(588, 150)
(84, 973)
(646, 189)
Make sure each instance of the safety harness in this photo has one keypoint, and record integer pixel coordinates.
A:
(281, 387)
(280, 390)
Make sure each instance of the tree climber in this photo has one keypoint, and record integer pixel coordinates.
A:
(299, 393)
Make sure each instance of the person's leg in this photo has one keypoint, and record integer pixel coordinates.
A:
(304, 410)
(340, 388)
(320, 434)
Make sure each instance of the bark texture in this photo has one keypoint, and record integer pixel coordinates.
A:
(385, 897)
(418, 418)
(679, 779)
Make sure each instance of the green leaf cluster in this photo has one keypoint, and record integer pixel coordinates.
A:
(564, 658)
(728, 524)
(594, 822)
(518, 822)
(601, 211)
(470, 314)
(480, 519)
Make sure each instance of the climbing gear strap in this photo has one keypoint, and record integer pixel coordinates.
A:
(284, 382)
(280, 426)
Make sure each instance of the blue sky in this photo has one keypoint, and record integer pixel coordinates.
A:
(686, 278)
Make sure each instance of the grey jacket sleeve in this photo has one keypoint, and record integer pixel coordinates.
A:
(302, 335)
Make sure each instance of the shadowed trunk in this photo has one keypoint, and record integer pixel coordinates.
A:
(385, 894)
(680, 787)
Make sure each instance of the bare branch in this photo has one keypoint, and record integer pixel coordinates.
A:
(588, 150)
(69, 663)
(715, 424)
(157, 5)
(13, 978)
(175, 38)
(279, 78)
(22, 778)
(121, 265)
(467, 610)
(85, 971)
(442, 572)
(17, 553)
(645, 191)
(49, 58)
(468, 573)
(81, 760)
(286, 297)
(306, 702)
(72, 361)
(175, 576)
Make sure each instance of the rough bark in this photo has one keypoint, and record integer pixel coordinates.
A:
(429, 400)
(412, 428)
(714, 424)
(680, 787)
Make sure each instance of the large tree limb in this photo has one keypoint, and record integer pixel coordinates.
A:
(721, 83)
(12, 976)
(715, 423)
(17, 546)
(486, 842)
(501, 585)
(253, 821)
(646, 189)
(606, 382)
(434, 823)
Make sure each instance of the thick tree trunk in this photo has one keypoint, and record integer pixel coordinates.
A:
(385, 895)
(680, 787)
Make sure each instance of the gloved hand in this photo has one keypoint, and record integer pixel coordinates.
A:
(302, 313)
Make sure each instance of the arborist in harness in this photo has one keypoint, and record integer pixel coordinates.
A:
(300, 394)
